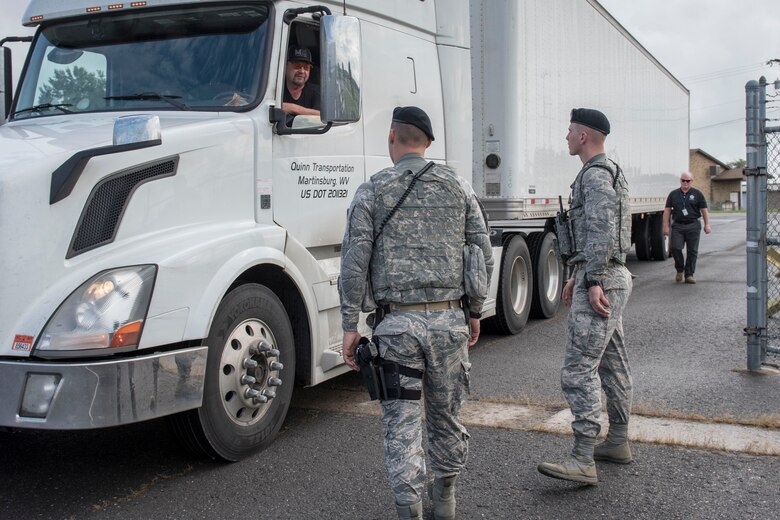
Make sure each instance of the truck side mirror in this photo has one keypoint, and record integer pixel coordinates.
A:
(6, 88)
(341, 69)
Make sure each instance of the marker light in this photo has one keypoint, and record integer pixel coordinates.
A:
(127, 335)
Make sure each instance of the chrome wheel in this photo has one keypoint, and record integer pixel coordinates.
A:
(249, 372)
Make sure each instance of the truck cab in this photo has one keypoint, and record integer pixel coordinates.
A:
(171, 236)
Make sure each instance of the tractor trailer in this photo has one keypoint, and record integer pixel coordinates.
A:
(171, 238)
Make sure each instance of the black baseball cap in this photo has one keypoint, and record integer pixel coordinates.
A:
(591, 118)
(414, 116)
(299, 54)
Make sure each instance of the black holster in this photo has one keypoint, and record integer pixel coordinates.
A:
(383, 377)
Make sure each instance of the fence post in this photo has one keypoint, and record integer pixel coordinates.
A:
(755, 119)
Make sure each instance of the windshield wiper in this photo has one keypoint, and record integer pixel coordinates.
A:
(146, 96)
(44, 106)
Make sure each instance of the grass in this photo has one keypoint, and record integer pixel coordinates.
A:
(753, 448)
(771, 420)
(764, 421)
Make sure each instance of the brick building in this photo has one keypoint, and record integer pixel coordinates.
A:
(721, 185)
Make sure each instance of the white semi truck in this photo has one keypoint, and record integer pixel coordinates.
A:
(171, 239)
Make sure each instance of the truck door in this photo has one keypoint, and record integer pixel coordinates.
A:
(314, 175)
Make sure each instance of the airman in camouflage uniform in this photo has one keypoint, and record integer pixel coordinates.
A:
(597, 293)
(413, 269)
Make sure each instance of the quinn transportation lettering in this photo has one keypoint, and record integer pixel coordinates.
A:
(321, 168)
(323, 186)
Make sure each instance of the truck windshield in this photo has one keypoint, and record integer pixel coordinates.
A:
(194, 58)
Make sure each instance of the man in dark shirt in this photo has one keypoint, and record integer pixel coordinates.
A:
(686, 206)
(300, 97)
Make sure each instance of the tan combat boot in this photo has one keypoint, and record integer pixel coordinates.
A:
(410, 512)
(577, 467)
(615, 447)
(442, 492)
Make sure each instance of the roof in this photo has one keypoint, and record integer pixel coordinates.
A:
(734, 174)
(711, 158)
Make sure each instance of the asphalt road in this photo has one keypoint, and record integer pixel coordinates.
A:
(688, 356)
(686, 345)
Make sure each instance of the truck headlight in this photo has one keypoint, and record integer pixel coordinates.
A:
(107, 311)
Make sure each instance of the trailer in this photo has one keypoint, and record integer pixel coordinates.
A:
(172, 237)
(531, 63)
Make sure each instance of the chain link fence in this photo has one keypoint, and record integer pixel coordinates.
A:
(773, 242)
(763, 226)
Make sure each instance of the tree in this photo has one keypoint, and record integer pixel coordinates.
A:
(74, 85)
(739, 163)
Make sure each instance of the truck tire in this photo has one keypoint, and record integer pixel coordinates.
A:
(249, 339)
(659, 244)
(515, 287)
(642, 238)
(548, 274)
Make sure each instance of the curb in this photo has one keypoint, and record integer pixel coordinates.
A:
(752, 440)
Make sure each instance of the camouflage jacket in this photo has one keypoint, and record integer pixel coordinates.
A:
(418, 257)
(601, 217)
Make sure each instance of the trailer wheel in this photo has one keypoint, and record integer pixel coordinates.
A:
(642, 239)
(515, 287)
(547, 274)
(249, 377)
(659, 244)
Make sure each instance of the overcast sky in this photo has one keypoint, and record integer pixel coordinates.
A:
(713, 46)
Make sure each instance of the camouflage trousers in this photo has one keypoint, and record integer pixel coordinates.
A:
(596, 356)
(435, 343)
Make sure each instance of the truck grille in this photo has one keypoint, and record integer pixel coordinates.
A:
(105, 205)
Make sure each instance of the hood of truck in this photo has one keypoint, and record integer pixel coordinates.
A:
(29, 141)
(36, 236)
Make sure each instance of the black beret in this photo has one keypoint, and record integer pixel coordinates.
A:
(299, 54)
(591, 118)
(414, 116)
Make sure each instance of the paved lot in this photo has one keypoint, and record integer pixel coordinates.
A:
(688, 357)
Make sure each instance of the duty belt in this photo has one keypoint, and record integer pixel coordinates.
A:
(427, 307)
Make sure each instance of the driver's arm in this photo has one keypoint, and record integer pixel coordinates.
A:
(298, 110)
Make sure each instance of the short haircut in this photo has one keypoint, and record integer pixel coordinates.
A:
(594, 135)
(409, 135)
